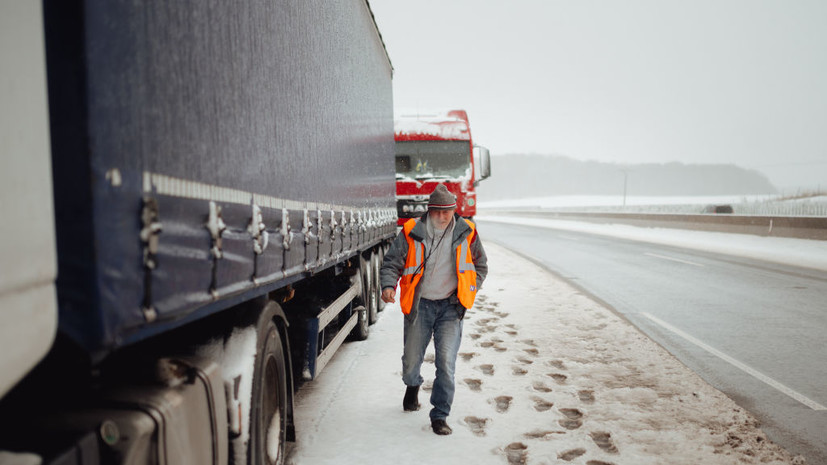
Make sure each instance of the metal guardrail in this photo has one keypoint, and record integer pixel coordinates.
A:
(775, 226)
(768, 208)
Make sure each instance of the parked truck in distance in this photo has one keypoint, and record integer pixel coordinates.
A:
(434, 148)
(196, 199)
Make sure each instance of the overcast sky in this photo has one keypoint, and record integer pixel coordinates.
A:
(626, 81)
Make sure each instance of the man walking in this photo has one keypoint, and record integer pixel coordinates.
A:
(441, 262)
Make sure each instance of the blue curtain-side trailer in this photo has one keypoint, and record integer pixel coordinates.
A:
(220, 197)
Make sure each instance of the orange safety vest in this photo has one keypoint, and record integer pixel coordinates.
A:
(414, 269)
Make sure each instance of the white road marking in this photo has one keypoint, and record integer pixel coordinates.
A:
(741, 366)
(673, 259)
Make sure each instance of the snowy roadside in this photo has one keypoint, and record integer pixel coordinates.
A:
(545, 375)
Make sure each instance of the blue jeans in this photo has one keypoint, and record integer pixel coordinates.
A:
(440, 319)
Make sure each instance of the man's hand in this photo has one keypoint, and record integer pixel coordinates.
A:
(388, 295)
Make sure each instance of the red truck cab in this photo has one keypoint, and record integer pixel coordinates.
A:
(434, 148)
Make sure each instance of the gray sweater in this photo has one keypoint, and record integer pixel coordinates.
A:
(439, 279)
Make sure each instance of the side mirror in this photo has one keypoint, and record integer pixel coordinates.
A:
(482, 161)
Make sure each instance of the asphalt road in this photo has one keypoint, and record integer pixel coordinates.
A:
(755, 330)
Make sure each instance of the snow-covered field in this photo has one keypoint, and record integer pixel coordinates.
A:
(773, 205)
(805, 253)
(545, 376)
(617, 200)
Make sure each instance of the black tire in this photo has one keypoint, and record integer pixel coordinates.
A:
(269, 400)
(380, 256)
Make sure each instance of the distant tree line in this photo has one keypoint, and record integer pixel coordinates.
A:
(519, 176)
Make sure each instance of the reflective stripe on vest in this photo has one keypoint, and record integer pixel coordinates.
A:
(414, 269)
(418, 257)
(465, 251)
(466, 271)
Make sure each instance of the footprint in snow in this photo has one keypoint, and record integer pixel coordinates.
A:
(532, 351)
(486, 369)
(604, 441)
(540, 434)
(476, 425)
(525, 361)
(473, 384)
(503, 403)
(558, 377)
(541, 387)
(556, 364)
(586, 396)
(573, 420)
(467, 356)
(517, 453)
(570, 424)
(570, 455)
(542, 405)
(518, 371)
(572, 413)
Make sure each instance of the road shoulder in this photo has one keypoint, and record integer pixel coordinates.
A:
(545, 375)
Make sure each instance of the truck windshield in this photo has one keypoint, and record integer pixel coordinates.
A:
(432, 159)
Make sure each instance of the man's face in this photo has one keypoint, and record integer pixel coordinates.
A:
(441, 218)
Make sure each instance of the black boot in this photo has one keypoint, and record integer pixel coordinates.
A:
(411, 402)
(440, 427)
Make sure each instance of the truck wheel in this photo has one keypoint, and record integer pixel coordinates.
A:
(268, 413)
(380, 256)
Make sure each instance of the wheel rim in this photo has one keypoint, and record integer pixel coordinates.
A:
(370, 291)
(272, 409)
(364, 322)
(380, 305)
(374, 304)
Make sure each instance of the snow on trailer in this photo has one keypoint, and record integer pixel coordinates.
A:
(448, 125)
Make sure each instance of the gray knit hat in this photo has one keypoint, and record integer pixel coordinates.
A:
(441, 199)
